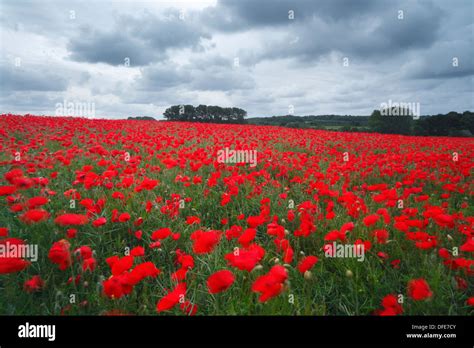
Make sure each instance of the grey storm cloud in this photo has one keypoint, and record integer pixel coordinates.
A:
(217, 79)
(142, 39)
(447, 59)
(13, 78)
(110, 48)
(219, 73)
(33, 102)
(162, 75)
(233, 15)
(210, 74)
(318, 27)
(368, 32)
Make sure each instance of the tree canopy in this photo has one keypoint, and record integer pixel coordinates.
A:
(451, 124)
(205, 113)
(389, 122)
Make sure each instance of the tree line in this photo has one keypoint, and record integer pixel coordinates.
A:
(380, 121)
(205, 113)
(451, 124)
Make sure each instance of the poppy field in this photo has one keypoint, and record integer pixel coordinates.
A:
(143, 218)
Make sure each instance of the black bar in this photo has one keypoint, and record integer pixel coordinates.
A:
(136, 330)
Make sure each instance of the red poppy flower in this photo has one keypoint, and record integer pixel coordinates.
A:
(84, 252)
(162, 233)
(255, 221)
(307, 263)
(89, 264)
(37, 202)
(34, 216)
(16, 208)
(395, 263)
(468, 246)
(137, 251)
(225, 199)
(34, 284)
(12, 264)
(290, 215)
(391, 307)
(247, 237)
(444, 253)
(116, 287)
(141, 271)
(71, 233)
(220, 281)
(270, 284)
(7, 190)
(371, 220)
(190, 220)
(288, 255)
(418, 289)
(12, 174)
(60, 254)
(99, 222)
(381, 235)
(124, 217)
(172, 298)
(71, 220)
(3, 231)
(204, 242)
(246, 259)
(120, 265)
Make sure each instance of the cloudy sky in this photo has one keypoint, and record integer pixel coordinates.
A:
(133, 58)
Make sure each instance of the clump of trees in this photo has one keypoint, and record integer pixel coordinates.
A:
(392, 121)
(387, 120)
(451, 124)
(205, 113)
(141, 118)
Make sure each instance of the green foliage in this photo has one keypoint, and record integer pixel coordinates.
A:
(389, 121)
(315, 122)
(451, 124)
(142, 118)
(205, 113)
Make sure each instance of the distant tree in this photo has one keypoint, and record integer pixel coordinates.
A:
(201, 113)
(217, 113)
(452, 123)
(172, 113)
(375, 121)
(467, 120)
(205, 113)
(389, 121)
(226, 114)
(189, 113)
(141, 118)
(238, 115)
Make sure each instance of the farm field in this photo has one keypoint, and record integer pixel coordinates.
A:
(149, 218)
